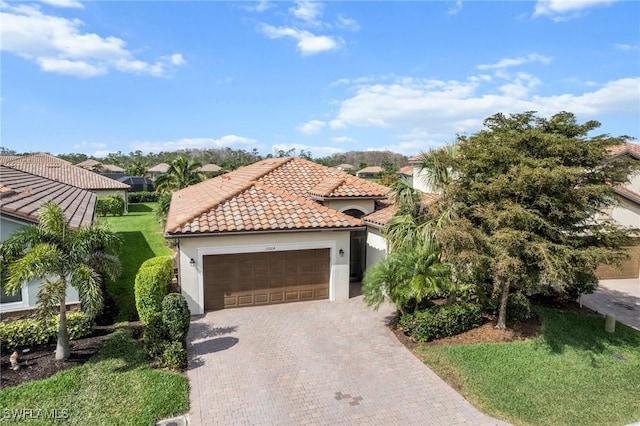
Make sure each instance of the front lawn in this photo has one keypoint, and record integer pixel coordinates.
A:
(143, 239)
(118, 387)
(574, 373)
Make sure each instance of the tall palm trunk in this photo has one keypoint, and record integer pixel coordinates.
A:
(62, 348)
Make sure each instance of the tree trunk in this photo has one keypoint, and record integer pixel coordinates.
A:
(62, 348)
(502, 314)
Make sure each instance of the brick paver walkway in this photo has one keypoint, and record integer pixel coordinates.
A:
(321, 362)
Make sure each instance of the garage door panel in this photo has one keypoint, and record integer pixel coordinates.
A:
(247, 279)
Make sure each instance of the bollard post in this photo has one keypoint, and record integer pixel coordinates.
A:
(610, 323)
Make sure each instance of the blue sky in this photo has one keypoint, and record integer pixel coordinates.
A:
(326, 77)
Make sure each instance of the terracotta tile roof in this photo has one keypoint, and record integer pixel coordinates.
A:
(112, 168)
(406, 170)
(159, 168)
(273, 194)
(89, 164)
(22, 194)
(210, 168)
(385, 210)
(370, 169)
(627, 193)
(344, 166)
(626, 148)
(54, 168)
(4, 159)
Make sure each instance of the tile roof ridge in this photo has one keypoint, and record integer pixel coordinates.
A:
(326, 188)
(18, 169)
(283, 161)
(304, 200)
(216, 201)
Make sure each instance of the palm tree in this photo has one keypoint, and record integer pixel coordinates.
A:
(182, 173)
(60, 256)
(137, 168)
(436, 167)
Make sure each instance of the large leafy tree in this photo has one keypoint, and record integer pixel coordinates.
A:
(523, 200)
(60, 256)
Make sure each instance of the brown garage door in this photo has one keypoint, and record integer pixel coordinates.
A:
(247, 279)
(629, 268)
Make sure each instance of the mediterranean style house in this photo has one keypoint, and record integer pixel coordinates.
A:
(21, 195)
(279, 230)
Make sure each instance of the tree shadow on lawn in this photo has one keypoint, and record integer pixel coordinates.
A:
(139, 208)
(583, 332)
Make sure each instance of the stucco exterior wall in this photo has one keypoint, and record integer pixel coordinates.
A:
(29, 291)
(366, 206)
(376, 246)
(627, 214)
(122, 193)
(419, 180)
(191, 277)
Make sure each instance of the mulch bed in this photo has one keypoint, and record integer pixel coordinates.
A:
(487, 333)
(39, 362)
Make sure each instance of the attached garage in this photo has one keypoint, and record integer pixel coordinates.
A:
(629, 268)
(263, 278)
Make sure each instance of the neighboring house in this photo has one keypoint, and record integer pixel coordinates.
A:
(345, 167)
(627, 213)
(406, 173)
(54, 168)
(137, 183)
(371, 171)
(111, 168)
(279, 230)
(90, 164)
(158, 170)
(21, 195)
(210, 169)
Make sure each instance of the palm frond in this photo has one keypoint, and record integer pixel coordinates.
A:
(43, 260)
(88, 283)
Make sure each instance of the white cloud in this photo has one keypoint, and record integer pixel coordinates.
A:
(308, 11)
(347, 23)
(260, 7)
(627, 47)
(184, 143)
(561, 10)
(343, 139)
(457, 7)
(308, 43)
(312, 127)
(89, 145)
(64, 3)
(513, 62)
(59, 44)
(316, 151)
(437, 110)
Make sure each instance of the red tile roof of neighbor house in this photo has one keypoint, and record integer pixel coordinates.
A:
(54, 168)
(270, 195)
(626, 148)
(111, 168)
(385, 210)
(406, 170)
(159, 168)
(89, 164)
(210, 168)
(371, 170)
(22, 194)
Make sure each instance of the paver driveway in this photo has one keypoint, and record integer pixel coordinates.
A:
(315, 362)
(618, 297)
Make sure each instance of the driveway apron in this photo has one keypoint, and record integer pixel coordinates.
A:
(617, 297)
(320, 362)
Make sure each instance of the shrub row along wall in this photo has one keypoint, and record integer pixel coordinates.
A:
(113, 205)
(153, 282)
(33, 331)
(143, 197)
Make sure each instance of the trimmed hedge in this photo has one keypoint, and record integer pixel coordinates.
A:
(153, 282)
(154, 339)
(176, 317)
(35, 331)
(143, 197)
(441, 321)
(173, 357)
(113, 204)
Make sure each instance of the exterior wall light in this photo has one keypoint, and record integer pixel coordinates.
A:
(192, 262)
(341, 252)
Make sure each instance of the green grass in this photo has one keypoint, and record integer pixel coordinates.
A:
(566, 376)
(117, 387)
(143, 239)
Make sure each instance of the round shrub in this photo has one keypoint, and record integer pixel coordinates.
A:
(441, 321)
(173, 357)
(518, 307)
(154, 339)
(152, 284)
(176, 317)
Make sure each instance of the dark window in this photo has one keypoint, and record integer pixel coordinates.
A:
(6, 298)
